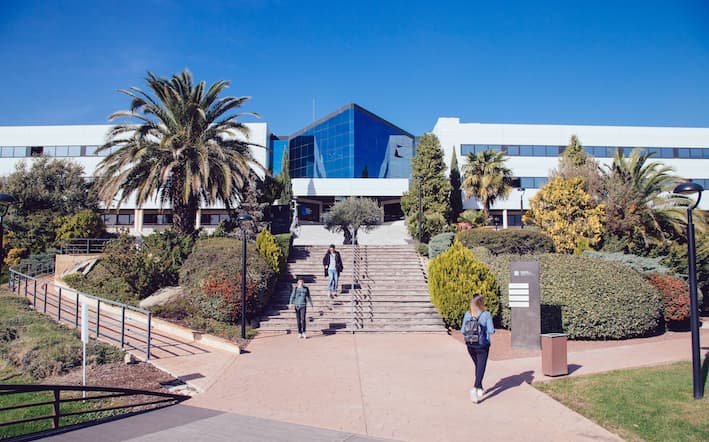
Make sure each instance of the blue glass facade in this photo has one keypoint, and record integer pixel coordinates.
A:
(350, 143)
(278, 146)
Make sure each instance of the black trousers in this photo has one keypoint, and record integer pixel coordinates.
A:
(478, 353)
(300, 316)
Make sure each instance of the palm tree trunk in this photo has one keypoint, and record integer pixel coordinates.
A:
(184, 216)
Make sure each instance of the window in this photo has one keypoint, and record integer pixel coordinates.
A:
(121, 219)
(212, 219)
(158, 219)
(36, 151)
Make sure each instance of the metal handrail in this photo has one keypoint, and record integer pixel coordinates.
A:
(60, 299)
(83, 246)
(166, 399)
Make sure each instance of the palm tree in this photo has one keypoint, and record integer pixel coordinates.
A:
(184, 149)
(486, 178)
(640, 207)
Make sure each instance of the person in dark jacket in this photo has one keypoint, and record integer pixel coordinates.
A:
(300, 297)
(333, 267)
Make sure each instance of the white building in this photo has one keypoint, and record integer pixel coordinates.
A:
(533, 150)
(79, 144)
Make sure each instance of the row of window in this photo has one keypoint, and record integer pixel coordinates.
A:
(596, 151)
(704, 182)
(159, 219)
(51, 151)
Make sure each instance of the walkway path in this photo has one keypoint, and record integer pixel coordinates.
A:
(391, 233)
(412, 387)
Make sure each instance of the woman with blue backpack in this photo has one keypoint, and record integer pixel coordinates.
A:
(477, 328)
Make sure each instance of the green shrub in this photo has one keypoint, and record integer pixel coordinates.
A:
(454, 277)
(270, 251)
(507, 241)
(84, 224)
(422, 249)
(100, 282)
(285, 243)
(642, 264)
(211, 278)
(585, 297)
(440, 243)
(431, 224)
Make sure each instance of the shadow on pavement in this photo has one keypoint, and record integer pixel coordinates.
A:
(510, 382)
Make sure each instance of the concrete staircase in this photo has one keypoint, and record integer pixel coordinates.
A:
(390, 293)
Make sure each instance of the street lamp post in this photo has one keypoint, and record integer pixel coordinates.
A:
(242, 219)
(420, 178)
(6, 200)
(521, 207)
(689, 189)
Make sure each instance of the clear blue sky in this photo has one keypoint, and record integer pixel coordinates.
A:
(576, 62)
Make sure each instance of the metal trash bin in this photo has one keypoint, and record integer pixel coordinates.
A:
(554, 362)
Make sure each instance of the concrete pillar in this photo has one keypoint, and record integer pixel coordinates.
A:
(198, 221)
(504, 219)
(138, 221)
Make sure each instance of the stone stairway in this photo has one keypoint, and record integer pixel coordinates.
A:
(390, 293)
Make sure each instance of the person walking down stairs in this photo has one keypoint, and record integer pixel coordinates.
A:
(332, 261)
(299, 297)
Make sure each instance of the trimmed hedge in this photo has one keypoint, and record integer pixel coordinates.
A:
(211, 278)
(642, 264)
(440, 243)
(584, 297)
(454, 277)
(431, 224)
(507, 241)
(285, 243)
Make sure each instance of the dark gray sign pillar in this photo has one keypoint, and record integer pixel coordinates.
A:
(524, 302)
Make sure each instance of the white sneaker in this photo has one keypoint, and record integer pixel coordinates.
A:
(305, 336)
(474, 395)
(481, 393)
(300, 335)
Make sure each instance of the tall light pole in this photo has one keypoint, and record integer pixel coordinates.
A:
(521, 207)
(6, 200)
(690, 189)
(242, 219)
(420, 178)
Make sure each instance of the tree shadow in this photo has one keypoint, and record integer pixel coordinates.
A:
(510, 382)
(705, 369)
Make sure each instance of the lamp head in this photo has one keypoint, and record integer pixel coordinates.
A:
(689, 188)
(244, 217)
(6, 200)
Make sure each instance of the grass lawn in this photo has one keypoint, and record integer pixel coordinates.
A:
(32, 347)
(652, 404)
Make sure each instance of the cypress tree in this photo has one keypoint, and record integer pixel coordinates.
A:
(284, 178)
(428, 163)
(456, 197)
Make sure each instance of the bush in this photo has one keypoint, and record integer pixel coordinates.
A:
(474, 218)
(440, 243)
(585, 297)
(100, 282)
(422, 249)
(84, 224)
(431, 225)
(454, 277)
(675, 297)
(285, 243)
(507, 241)
(211, 278)
(145, 269)
(640, 264)
(270, 251)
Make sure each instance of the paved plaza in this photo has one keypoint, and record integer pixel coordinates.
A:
(411, 387)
